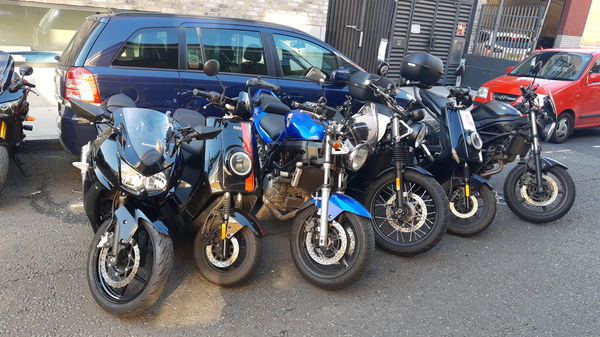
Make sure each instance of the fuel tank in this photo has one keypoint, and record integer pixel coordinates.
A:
(493, 112)
(301, 126)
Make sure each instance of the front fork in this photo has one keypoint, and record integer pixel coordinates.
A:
(325, 194)
(537, 150)
(467, 179)
(399, 163)
(3, 130)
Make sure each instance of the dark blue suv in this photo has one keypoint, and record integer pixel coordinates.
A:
(156, 59)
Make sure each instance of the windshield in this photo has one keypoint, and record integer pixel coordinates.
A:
(6, 68)
(147, 131)
(555, 66)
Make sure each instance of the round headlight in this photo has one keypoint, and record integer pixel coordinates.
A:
(363, 125)
(475, 140)
(240, 163)
(358, 157)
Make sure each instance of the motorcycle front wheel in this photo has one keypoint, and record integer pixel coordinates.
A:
(419, 225)
(474, 218)
(4, 160)
(226, 262)
(344, 259)
(131, 282)
(539, 205)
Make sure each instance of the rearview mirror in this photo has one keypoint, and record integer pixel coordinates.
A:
(340, 75)
(594, 78)
(25, 70)
(509, 69)
(383, 68)
(202, 132)
(87, 111)
(536, 69)
(460, 70)
(243, 104)
(212, 67)
(316, 75)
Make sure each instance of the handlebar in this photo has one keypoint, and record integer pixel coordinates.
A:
(257, 82)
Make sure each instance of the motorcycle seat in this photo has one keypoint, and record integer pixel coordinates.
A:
(273, 124)
(191, 118)
(272, 104)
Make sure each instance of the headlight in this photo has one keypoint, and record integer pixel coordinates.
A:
(540, 100)
(420, 131)
(483, 92)
(8, 108)
(137, 182)
(363, 125)
(357, 157)
(474, 140)
(240, 163)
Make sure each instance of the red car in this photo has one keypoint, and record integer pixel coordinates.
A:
(572, 76)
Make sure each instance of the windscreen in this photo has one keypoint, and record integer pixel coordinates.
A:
(6, 69)
(555, 66)
(147, 132)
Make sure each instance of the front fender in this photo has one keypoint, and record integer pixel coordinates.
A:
(129, 220)
(547, 163)
(246, 220)
(477, 181)
(406, 168)
(339, 203)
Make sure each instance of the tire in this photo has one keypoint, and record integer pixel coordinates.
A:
(384, 236)
(156, 276)
(564, 128)
(4, 161)
(481, 220)
(339, 274)
(536, 214)
(240, 269)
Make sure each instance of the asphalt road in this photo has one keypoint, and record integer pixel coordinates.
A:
(515, 279)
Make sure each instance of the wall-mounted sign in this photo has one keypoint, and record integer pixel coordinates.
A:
(461, 29)
(415, 29)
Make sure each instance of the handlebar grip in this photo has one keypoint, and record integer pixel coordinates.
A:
(257, 82)
(201, 93)
(302, 106)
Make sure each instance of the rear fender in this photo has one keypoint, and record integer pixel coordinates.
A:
(339, 203)
(547, 164)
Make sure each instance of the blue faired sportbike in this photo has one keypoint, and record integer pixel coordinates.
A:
(304, 155)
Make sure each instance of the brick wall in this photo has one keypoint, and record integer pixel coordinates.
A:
(307, 15)
(574, 17)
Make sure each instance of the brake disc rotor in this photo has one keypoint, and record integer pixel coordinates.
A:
(119, 276)
(221, 261)
(337, 239)
(463, 215)
(417, 210)
(531, 200)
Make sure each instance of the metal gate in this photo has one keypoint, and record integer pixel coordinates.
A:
(359, 29)
(438, 27)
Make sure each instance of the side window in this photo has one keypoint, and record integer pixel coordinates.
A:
(150, 48)
(193, 53)
(297, 55)
(238, 51)
(596, 67)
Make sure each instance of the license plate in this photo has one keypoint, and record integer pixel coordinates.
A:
(467, 120)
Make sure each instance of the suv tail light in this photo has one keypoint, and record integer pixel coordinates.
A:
(81, 85)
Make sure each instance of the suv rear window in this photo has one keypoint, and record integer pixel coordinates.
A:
(150, 48)
(73, 49)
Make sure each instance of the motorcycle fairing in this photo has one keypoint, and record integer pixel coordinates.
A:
(339, 203)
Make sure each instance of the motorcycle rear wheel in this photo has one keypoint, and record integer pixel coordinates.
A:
(527, 206)
(407, 239)
(346, 258)
(145, 286)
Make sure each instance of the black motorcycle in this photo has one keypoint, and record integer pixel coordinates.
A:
(408, 206)
(150, 173)
(450, 152)
(14, 108)
(538, 189)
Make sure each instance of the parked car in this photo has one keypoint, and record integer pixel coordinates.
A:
(511, 46)
(570, 76)
(156, 59)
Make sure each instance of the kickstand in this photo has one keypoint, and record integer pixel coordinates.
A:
(20, 165)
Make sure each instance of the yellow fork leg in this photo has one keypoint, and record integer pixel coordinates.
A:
(3, 130)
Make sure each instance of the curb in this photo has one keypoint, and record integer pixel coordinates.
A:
(40, 145)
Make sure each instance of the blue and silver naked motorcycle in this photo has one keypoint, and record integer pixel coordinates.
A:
(149, 174)
(304, 155)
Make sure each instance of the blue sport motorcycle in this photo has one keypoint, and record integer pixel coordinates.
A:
(303, 155)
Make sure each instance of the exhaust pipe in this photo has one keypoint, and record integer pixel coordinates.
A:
(277, 213)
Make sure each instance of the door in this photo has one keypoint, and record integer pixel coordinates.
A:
(295, 56)
(590, 110)
(145, 69)
(241, 54)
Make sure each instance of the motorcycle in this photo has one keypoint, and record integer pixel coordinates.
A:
(304, 154)
(538, 189)
(149, 174)
(14, 108)
(450, 152)
(408, 205)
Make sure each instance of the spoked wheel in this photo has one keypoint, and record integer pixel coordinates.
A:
(417, 226)
(542, 204)
(226, 262)
(473, 216)
(132, 281)
(345, 257)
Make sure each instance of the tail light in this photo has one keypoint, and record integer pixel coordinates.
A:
(81, 85)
